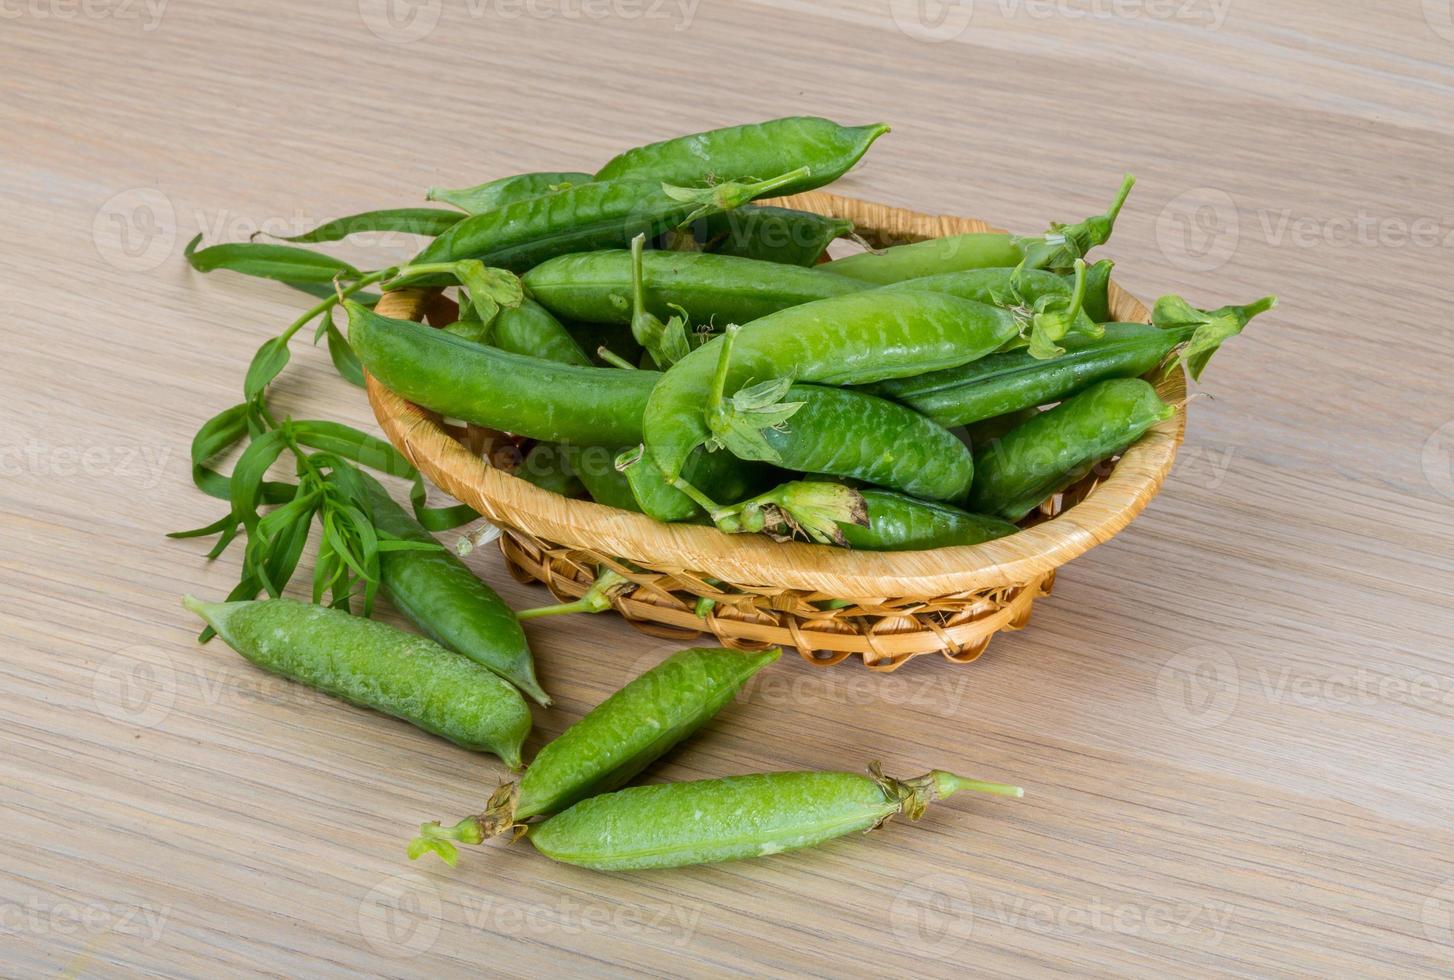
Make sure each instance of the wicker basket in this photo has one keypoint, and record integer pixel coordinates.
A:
(901, 604)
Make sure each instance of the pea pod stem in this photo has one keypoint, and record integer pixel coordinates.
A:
(615, 360)
(597, 598)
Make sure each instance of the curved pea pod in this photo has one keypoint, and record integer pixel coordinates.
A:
(747, 152)
(582, 218)
(527, 329)
(1097, 303)
(853, 339)
(603, 751)
(596, 287)
(980, 434)
(1056, 250)
(507, 190)
(771, 234)
(900, 523)
(1015, 380)
(438, 593)
(513, 393)
(731, 480)
(376, 666)
(678, 824)
(1056, 448)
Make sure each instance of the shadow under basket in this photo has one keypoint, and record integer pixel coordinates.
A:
(827, 603)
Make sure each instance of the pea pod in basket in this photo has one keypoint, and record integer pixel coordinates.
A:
(609, 746)
(771, 234)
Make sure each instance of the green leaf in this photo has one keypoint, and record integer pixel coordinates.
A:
(216, 436)
(740, 423)
(266, 365)
(247, 475)
(283, 263)
(408, 221)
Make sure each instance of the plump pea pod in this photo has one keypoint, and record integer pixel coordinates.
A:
(583, 218)
(596, 287)
(853, 339)
(613, 743)
(1097, 303)
(749, 152)
(376, 666)
(507, 190)
(438, 593)
(729, 478)
(980, 434)
(771, 234)
(677, 824)
(1044, 300)
(1056, 448)
(526, 396)
(1057, 250)
(900, 523)
(1014, 380)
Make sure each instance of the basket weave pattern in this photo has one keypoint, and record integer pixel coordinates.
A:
(827, 603)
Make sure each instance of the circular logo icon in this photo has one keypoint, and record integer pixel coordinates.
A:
(137, 686)
(1437, 914)
(400, 21)
(1198, 689)
(400, 917)
(135, 230)
(933, 916)
(1439, 15)
(1198, 230)
(1438, 459)
(935, 21)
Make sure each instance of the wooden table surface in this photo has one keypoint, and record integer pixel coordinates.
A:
(1233, 721)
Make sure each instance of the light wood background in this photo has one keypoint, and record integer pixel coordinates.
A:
(1233, 722)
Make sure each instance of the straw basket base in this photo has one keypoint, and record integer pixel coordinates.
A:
(751, 592)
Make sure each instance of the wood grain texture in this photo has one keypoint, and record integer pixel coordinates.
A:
(1232, 721)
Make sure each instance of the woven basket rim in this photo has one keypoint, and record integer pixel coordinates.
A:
(755, 560)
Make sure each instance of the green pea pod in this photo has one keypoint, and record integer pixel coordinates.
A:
(596, 467)
(981, 434)
(771, 234)
(1015, 380)
(596, 287)
(853, 339)
(619, 738)
(748, 152)
(507, 190)
(677, 824)
(1057, 250)
(582, 218)
(729, 478)
(900, 523)
(376, 666)
(507, 392)
(547, 466)
(527, 329)
(1055, 449)
(1032, 293)
(408, 221)
(1097, 303)
(438, 593)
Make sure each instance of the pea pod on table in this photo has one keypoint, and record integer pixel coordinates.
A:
(1056, 250)
(677, 824)
(614, 742)
(749, 151)
(377, 666)
(439, 594)
(1054, 449)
